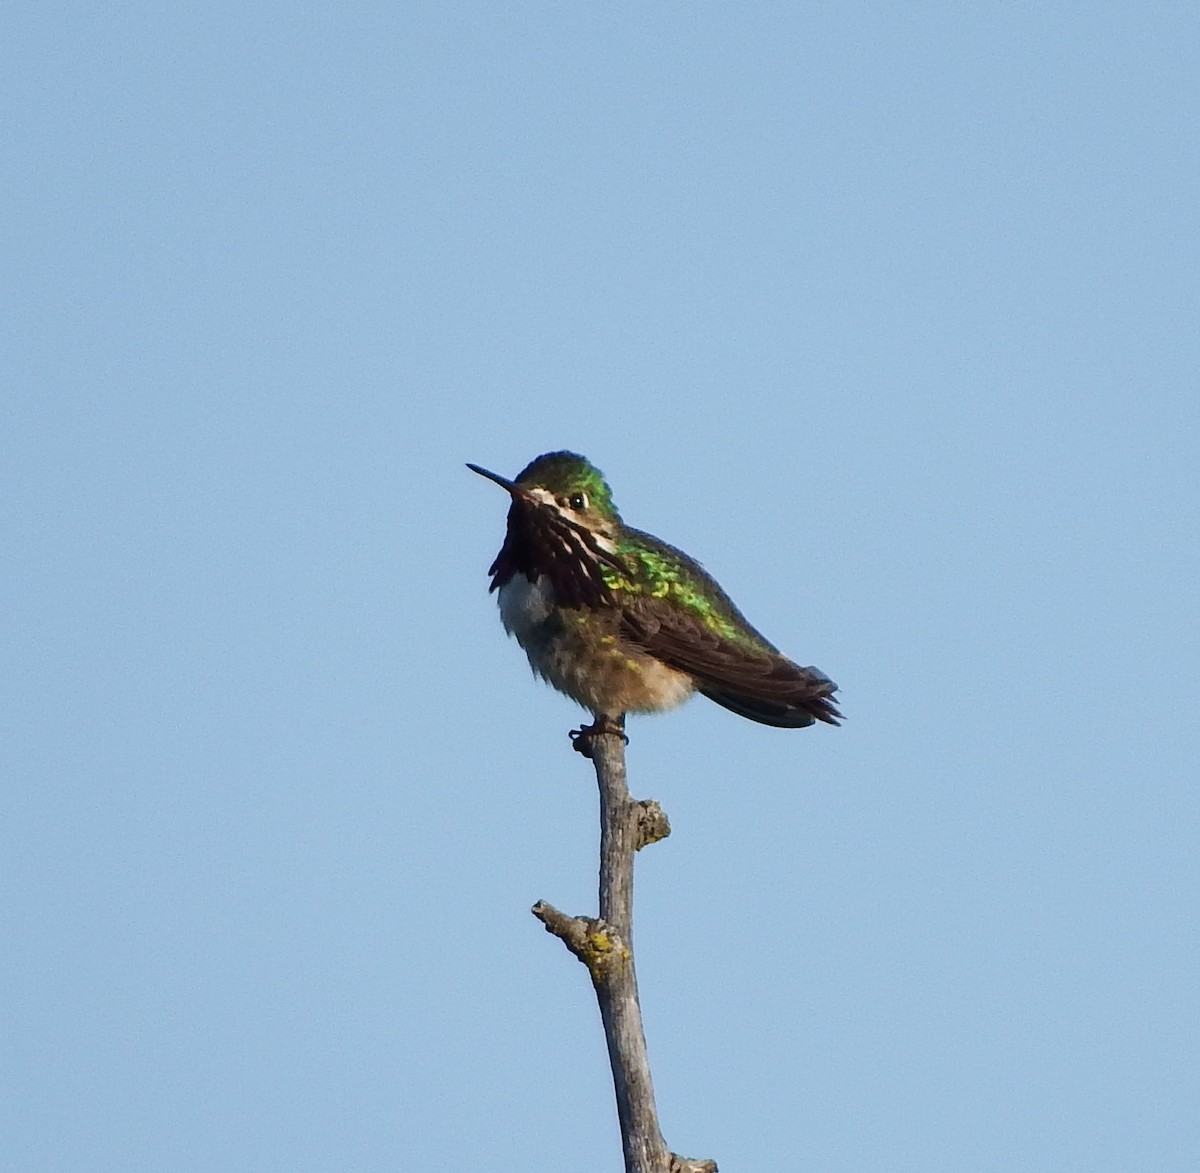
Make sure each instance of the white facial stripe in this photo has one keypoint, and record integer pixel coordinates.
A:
(598, 539)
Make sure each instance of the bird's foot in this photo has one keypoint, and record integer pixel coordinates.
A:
(581, 738)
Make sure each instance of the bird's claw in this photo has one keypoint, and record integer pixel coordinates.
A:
(581, 738)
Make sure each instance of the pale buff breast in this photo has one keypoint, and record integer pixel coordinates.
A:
(582, 658)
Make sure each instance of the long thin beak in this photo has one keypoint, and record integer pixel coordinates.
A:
(511, 486)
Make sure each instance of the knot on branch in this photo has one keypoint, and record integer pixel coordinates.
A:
(687, 1165)
(591, 940)
(652, 823)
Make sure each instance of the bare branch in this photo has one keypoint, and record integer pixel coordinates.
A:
(605, 946)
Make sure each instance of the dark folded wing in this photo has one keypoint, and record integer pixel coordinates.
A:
(748, 677)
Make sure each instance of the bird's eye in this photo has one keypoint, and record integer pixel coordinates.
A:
(577, 501)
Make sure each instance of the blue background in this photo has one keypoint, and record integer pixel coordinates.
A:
(886, 312)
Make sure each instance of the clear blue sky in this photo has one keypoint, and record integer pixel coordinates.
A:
(887, 312)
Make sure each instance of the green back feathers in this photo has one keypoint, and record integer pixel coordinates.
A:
(660, 571)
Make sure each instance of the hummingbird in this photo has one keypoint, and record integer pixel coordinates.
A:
(624, 623)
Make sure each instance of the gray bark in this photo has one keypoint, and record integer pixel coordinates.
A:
(605, 946)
